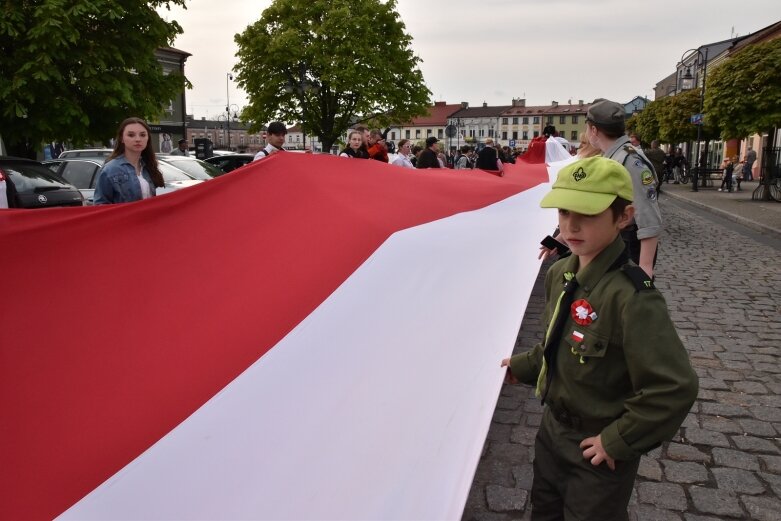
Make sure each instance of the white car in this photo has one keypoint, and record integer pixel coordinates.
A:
(83, 174)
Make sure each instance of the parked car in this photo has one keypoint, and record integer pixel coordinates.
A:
(83, 173)
(191, 166)
(230, 162)
(35, 186)
(92, 153)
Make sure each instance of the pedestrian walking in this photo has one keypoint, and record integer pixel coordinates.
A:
(182, 149)
(488, 158)
(463, 162)
(727, 166)
(751, 157)
(613, 374)
(130, 172)
(428, 156)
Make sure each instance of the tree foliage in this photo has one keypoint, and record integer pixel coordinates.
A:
(73, 69)
(744, 92)
(356, 59)
(668, 119)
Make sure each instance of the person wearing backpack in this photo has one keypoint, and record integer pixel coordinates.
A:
(462, 161)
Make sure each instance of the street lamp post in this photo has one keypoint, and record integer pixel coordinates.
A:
(228, 79)
(687, 83)
(301, 86)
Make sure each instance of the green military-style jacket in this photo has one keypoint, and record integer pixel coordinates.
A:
(620, 361)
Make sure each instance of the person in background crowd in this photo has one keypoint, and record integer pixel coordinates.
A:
(463, 161)
(750, 159)
(183, 149)
(442, 160)
(275, 138)
(488, 157)
(364, 130)
(131, 172)
(586, 149)
(737, 175)
(355, 148)
(656, 156)
(416, 151)
(634, 140)
(404, 152)
(165, 144)
(605, 129)
(428, 157)
(679, 164)
(57, 149)
(507, 155)
(728, 167)
(377, 149)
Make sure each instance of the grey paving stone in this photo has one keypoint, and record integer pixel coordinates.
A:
(727, 375)
(685, 472)
(718, 424)
(505, 499)
(704, 437)
(649, 469)
(772, 480)
(495, 471)
(651, 513)
(523, 435)
(753, 444)
(720, 409)
(771, 463)
(691, 420)
(735, 459)
(523, 475)
(737, 480)
(749, 387)
(533, 420)
(680, 452)
(695, 517)
(768, 414)
(756, 427)
(714, 501)
(514, 453)
(507, 417)
(762, 508)
(665, 495)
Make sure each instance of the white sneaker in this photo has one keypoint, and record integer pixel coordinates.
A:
(719, 189)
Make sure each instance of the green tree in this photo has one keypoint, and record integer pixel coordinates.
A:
(744, 92)
(73, 69)
(354, 59)
(646, 123)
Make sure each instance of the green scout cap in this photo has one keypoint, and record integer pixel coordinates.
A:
(589, 186)
(607, 114)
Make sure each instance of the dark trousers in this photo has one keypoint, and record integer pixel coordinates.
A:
(629, 235)
(568, 487)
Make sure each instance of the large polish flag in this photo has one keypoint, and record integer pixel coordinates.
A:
(308, 337)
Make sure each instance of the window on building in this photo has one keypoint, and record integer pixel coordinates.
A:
(574, 135)
(429, 131)
(393, 136)
(504, 121)
(562, 119)
(471, 132)
(515, 134)
(515, 121)
(574, 119)
(504, 135)
(298, 137)
(482, 132)
(417, 132)
(407, 134)
(525, 120)
(536, 133)
(440, 133)
(525, 135)
(241, 139)
(549, 120)
(536, 120)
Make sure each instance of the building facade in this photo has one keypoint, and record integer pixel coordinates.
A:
(172, 125)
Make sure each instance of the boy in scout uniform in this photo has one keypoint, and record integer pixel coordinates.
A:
(612, 372)
(605, 130)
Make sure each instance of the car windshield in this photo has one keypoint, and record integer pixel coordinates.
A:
(32, 177)
(194, 168)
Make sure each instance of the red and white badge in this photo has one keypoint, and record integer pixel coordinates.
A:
(577, 336)
(582, 312)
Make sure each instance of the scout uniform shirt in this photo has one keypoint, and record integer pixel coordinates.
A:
(620, 369)
(647, 215)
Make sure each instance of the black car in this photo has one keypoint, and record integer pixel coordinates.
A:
(35, 186)
(230, 162)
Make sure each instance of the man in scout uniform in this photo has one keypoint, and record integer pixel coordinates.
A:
(613, 374)
(605, 130)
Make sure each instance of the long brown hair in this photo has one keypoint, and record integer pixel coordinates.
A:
(148, 154)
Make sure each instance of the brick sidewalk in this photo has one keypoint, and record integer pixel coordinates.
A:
(725, 462)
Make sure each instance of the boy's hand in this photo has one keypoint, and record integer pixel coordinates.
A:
(508, 377)
(594, 452)
(546, 252)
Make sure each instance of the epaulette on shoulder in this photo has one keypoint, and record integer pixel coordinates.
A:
(639, 278)
(629, 149)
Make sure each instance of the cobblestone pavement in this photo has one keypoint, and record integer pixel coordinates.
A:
(721, 283)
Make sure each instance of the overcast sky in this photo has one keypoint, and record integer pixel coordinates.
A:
(540, 50)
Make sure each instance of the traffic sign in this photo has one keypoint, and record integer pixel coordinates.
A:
(697, 119)
(512, 143)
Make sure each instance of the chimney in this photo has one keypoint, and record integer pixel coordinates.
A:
(580, 102)
(485, 104)
(554, 104)
(464, 104)
(440, 103)
(519, 102)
